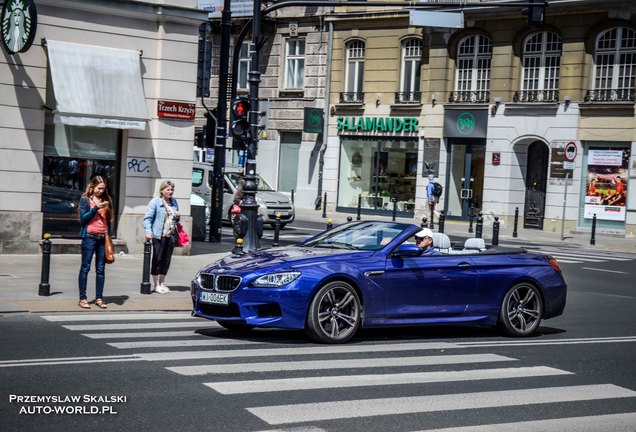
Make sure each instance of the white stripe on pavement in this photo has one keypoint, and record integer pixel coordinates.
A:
(144, 335)
(551, 341)
(181, 343)
(609, 423)
(119, 317)
(603, 270)
(68, 360)
(338, 364)
(323, 382)
(296, 413)
(301, 350)
(137, 326)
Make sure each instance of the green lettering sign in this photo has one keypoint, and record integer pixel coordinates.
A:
(377, 124)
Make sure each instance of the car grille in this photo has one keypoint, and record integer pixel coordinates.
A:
(229, 311)
(227, 283)
(207, 281)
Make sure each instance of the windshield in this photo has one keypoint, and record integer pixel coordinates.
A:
(261, 185)
(358, 236)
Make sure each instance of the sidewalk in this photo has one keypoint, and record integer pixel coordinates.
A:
(20, 274)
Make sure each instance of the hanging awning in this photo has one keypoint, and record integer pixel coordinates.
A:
(97, 86)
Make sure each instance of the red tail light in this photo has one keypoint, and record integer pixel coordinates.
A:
(554, 264)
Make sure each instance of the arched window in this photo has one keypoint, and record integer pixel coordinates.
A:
(541, 66)
(614, 65)
(354, 72)
(410, 71)
(472, 76)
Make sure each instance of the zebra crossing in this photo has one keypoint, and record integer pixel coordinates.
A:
(291, 384)
(581, 256)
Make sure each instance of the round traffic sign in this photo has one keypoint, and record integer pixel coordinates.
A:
(570, 151)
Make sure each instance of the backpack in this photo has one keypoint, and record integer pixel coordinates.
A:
(437, 190)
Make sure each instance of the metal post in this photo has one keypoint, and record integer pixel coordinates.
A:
(565, 198)
(514, 230)
(593, 238)
(471, 216)
(495, 231)
(432, 222)
(359, 206)
(276, 230)
(324, 206)
(394, 213)
(292, 196)
(440, 222)
(44, 288)
(145, 278)
(329, 224)
(480, 226)
(423, 224)
(238, 246)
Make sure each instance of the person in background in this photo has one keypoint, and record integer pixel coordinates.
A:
(95, 212)
(424, 239)
(160, 221)
(432, 199)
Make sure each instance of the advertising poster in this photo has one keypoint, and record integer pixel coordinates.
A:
(606, 184)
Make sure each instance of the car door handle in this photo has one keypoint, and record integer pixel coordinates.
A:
(373, 273)
(463, 266)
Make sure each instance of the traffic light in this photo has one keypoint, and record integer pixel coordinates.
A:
(240, 124)
(535, 13)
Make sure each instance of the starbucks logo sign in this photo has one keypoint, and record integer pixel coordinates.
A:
(465, 123)
(19, 21)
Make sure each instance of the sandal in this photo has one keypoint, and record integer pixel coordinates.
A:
(101, 304)
(84, 304)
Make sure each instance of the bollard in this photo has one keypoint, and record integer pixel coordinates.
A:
(324, 206)
(329, 224)
(514, 229)
(238, 246)
(593, 238)
(145, 278)
(432, 223)
(471, 215)
(440, 222)
(349, 218)
(423, 224)
(480, 226)
(394, 209)
(292, 196)
(44, 288)
(276, 230)
(495, 231)
(359, 206)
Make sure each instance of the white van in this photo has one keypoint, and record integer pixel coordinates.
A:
(270, 202)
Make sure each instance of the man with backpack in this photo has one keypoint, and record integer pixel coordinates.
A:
(433, 192)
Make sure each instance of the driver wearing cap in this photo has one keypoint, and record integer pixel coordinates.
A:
(424, 239)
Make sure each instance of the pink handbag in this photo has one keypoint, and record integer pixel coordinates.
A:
(183, 237)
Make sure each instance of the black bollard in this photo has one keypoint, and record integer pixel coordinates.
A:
(440, 222)
(276, 230)
(44, 288)
(394, 214)
(324, 206)
(514, 229)
(423, 224)
(480, 226)
(292, 196)
(145, 279)
(471, 215)
(593, 238)
(329, 224)
(359, 206)
(495, 231)
(349, 218)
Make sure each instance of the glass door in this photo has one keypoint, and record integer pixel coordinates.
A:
(465, 180)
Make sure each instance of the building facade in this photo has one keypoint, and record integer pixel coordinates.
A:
(106, 88)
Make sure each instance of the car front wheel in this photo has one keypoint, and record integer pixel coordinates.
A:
(521, 310)
(334, 313)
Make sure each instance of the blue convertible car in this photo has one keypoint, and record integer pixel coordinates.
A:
(371, 274)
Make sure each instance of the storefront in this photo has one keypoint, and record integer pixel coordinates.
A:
(378, 164)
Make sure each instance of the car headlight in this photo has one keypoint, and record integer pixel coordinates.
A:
(276, 279)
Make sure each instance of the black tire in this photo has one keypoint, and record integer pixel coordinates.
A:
(235, 326)
(521, 310)
(334, 314)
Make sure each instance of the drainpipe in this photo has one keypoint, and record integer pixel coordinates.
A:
(323, 149)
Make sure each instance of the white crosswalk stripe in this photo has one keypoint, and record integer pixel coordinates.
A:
(578, 256)
(236, 367)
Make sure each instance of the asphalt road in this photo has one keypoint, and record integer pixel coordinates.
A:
(577, 374)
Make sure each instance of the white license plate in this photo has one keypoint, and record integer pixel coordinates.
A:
(212, 297)
(282, 213)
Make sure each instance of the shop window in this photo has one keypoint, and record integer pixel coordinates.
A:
(472, 76)
(614, 66)
(288, 161)
(378, 172)
(541, 67)
(294, 63)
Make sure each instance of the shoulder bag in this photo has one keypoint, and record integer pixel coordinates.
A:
(109, 249)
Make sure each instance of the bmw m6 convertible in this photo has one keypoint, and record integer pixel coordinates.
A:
(372, 274)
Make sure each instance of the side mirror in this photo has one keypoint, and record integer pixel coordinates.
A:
(408, 250)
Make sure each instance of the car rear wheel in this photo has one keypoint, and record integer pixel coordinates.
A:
(334, 313)
(236, 326)
(521, 310)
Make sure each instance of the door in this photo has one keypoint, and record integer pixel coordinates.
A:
(465, 182)
(536, 180)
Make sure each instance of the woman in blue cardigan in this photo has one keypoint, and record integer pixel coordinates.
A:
(160, 221)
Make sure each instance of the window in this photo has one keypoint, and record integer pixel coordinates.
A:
(288, 161)
(355, 67)
(411, 58)
(472, 77)
(197, 177)
(615, 64)
(244, 63)
(541, 64)
(294, 63)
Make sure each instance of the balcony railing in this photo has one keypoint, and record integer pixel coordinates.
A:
(469, 97)
(536, 96)
(413, 97)
(352, 97)
(610, 95)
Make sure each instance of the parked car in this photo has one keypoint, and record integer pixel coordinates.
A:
(270, 201)
(371, 274)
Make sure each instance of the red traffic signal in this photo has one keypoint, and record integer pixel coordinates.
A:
(240, 124)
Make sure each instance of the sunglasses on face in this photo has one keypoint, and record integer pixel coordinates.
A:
(419, 239)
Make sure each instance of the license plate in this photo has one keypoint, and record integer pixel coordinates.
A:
(282, 213)
(212, 297)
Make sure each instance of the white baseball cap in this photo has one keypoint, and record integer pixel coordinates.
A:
(425, 232)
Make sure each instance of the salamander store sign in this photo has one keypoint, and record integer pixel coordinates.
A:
(376, 124)
(19, 24)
